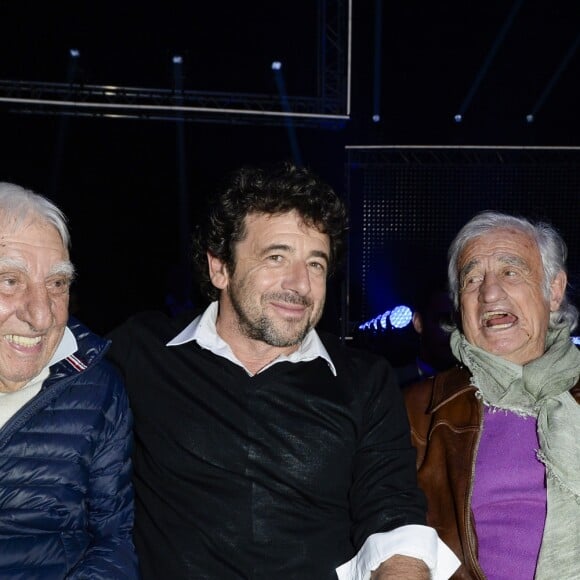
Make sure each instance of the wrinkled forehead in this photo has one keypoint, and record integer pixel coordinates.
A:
(501, 244)
(30, 229)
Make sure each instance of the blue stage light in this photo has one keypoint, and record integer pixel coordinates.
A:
(384, 320)
(395, 319)
(177, 59)
(400, 316)
(74, 52)
(458, 118)
(276, 65)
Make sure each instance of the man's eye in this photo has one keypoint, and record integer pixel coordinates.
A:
(470, 281)
(9, 284)
(318, 266)
(275, 258)
(59, 285)
(9, 281)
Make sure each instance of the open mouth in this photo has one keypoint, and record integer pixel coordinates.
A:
(499, 320)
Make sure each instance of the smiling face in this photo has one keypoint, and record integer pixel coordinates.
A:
(35, 275)
(276, 293)
(503, 307)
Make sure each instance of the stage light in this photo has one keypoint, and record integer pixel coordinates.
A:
(530, 118)
(74, 52)
(177, 59)
(400, 316)
(376, 118)
(395, 319)
(458, 118)
(385, 320)
(276, 65)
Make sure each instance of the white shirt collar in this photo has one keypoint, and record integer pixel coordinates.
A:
(203, 331)
(67, 346)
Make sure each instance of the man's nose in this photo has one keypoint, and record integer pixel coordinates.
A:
(297, 278)
(36, 309)
(491, 289)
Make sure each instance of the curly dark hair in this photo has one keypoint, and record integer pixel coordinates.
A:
(273, 191)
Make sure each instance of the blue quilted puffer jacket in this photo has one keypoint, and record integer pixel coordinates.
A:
(66, 501)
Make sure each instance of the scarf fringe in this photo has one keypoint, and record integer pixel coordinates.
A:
(494, 408)
(552, 474)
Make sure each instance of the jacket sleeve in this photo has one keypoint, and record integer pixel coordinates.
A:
(111, 555)
(384, 492)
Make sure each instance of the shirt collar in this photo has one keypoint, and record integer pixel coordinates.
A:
(67, 346)
(203, 331)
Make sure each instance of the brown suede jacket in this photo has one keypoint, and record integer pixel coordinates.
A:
(446, 418)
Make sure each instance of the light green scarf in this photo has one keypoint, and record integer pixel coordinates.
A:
(540, 389)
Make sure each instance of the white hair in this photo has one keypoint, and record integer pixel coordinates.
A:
(18, 204)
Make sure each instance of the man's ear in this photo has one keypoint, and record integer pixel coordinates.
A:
(557, 290)
(218, 273)
(417, 322)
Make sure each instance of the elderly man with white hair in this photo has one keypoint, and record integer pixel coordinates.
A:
(498, 435)
(66, 498)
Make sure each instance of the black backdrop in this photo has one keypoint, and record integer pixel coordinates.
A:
(407, 204)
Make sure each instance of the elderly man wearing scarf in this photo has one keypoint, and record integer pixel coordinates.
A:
(498, 436)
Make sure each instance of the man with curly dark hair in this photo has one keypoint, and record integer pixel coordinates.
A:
(265, 449)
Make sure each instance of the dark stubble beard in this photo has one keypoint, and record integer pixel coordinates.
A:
(261, 328)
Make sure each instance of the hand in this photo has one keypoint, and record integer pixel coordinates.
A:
(401, 567)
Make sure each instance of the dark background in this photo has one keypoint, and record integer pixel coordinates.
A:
(119, 179)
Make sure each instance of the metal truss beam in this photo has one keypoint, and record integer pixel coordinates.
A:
(460, 154)
(330, 108)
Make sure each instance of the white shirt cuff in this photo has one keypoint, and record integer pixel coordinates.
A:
(416, 541)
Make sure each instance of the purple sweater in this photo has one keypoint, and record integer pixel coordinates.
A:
(509, 496)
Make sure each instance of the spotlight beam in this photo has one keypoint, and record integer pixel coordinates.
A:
(488, 60)
(181, 158)
(281, 86)
(530, 117)
(378, 61)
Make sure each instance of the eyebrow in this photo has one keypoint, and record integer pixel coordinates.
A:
(291, 250)
(505, 259)
(513, 261)
(64, 268)
(13, 263)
